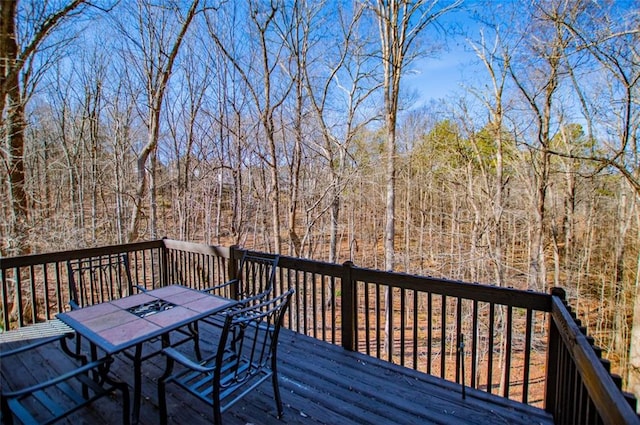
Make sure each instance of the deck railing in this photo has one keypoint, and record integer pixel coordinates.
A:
(35, 288)
(522, 345)
(437, 326)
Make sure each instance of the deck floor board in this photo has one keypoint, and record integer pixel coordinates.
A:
(320, 384)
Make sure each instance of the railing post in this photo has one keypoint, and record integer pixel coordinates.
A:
(553, 358)
(164, 264)
(348, 307)
(232, 267)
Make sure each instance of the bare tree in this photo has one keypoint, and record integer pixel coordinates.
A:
(495, 59)
(121, 130)
(19, 46)
(633, 376)
(158, 50)
(344, 80)
(612, 38)
(183, 113)
(268, 90)
(610, 34)
(538, 73)
(294, 29)
(399, 24)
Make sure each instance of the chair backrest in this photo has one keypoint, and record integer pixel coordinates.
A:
(98, 279)
(247, 350)
(256, 275)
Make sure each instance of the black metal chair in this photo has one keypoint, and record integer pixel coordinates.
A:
(245, 357)
(56, 397)
(99, 279)
(254, 279)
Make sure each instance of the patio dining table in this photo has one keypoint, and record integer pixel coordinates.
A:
(129, 322)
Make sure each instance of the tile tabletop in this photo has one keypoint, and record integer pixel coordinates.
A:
(115, 326)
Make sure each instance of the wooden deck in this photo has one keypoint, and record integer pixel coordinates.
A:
(320, 384)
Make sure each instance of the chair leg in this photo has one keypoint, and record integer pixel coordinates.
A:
(162, 391)
(217, 414)
(76, 355)
(7, 416)
(276, 393)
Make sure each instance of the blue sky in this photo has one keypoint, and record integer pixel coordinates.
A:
(443, 74)
(442, 77)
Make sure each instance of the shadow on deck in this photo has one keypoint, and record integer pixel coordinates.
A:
(320, 384)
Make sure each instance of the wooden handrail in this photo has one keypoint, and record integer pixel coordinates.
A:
(611, 406)
(474, 291)
(60, 256)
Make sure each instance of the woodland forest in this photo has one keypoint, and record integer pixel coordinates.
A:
(288, 126)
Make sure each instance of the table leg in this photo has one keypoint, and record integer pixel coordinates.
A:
(96, 375)
(137, 384)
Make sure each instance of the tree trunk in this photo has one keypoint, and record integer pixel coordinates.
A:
(390, 204)
(296, 163)
(14, 126)
(633, 374)
(619, 331)
(16, 242)
(141, 190)
(153, 200)
(274, 197)
(537, 271)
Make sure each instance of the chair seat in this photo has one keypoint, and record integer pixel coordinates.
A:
(235, 374)
(54, 329)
